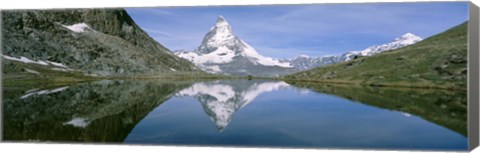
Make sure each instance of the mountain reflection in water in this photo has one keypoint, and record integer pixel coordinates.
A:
(257, 113)
(220, 99)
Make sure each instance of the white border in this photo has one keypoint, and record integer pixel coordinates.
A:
(45, 4)
(82, 148)
(74, 148)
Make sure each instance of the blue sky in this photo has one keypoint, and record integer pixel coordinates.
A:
(286, 31)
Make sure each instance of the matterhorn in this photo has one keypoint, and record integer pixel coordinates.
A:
(222, 52)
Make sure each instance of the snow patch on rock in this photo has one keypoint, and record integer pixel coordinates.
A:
(24, 60)
(78, 28)
(57, 64)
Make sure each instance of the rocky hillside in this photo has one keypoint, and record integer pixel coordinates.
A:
(439, 62)
(102, 42)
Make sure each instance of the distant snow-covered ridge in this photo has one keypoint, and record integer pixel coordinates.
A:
(304, 62)
(402, 41)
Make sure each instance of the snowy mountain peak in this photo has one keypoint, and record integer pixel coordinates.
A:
(402, 41)
(408, 38)
(221, 52)
(221, 20)
(303, 56)
(221, 23)
(220, 35)
(408, 34)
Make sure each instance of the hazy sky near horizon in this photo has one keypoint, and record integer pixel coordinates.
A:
(286, 31)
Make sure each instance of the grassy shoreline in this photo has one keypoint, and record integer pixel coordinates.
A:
(31, 80)
(396, 85)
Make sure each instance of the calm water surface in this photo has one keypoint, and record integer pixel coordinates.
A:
(254, 113)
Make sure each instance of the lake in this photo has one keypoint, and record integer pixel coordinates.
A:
(251, 113)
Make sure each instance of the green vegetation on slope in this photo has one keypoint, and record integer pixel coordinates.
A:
(437, 62)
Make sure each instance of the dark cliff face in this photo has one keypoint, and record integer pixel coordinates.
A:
(112, 45)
